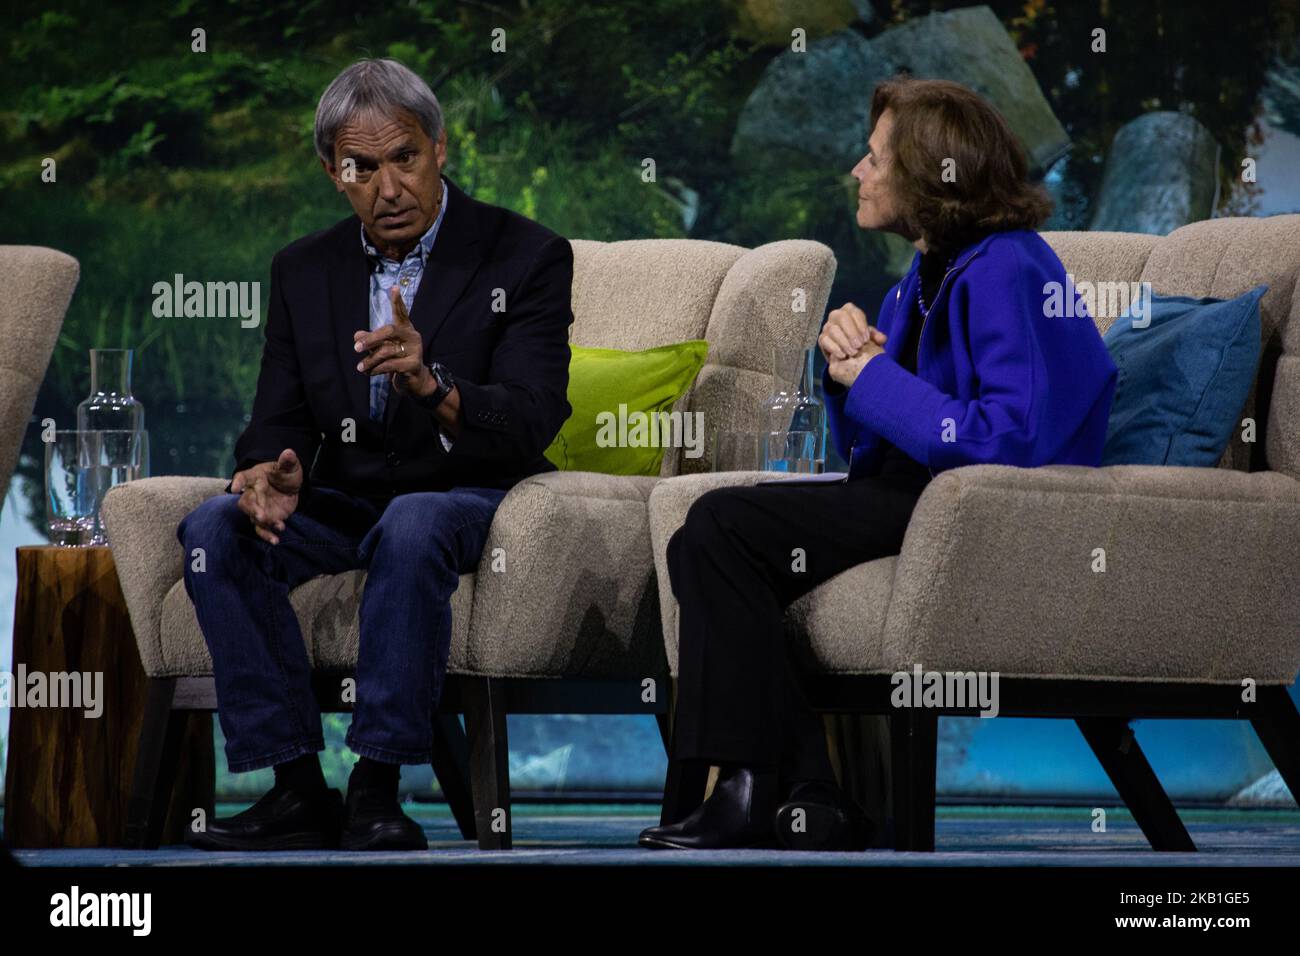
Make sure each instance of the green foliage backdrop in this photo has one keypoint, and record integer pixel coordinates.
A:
(201, 163)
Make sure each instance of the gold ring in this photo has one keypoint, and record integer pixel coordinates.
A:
(402, 346)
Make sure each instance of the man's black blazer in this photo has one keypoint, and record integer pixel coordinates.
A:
(511, 365)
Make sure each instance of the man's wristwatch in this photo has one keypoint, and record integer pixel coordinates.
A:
(442, 376)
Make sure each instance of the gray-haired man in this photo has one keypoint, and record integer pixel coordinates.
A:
(392, 375)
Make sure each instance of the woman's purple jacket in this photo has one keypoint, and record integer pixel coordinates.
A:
(998, 381)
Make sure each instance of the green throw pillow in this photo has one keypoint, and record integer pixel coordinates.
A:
(616, 396)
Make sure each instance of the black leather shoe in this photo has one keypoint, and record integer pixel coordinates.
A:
(282, 819)
(820, 816)
(737, 815)
(373, 820)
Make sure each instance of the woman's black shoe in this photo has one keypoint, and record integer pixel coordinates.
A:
(282, 819)
(737, 815)
(819, 816)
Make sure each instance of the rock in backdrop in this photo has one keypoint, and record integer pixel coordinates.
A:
(809, 113)
(1161, 173)
(814, 107)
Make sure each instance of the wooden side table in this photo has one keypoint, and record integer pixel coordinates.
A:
(69, 776)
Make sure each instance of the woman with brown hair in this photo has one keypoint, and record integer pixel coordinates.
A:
(963, 366)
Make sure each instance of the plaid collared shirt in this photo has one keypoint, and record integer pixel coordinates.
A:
(406, 275)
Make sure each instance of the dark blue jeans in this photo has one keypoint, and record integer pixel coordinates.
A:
(414, 550)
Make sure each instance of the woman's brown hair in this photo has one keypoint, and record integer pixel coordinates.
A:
(937, 120)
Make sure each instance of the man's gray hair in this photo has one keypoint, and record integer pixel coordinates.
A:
(381, 87)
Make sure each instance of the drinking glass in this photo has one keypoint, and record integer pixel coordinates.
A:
(80, 467)
(72, 487)
(793, 452)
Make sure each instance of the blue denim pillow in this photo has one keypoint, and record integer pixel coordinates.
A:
(1183, 378)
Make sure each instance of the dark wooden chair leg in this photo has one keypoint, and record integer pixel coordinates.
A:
(489, 763)
(914, 745)
(1278, 728)
(451, 767)
(1117, 750)
(156, 763)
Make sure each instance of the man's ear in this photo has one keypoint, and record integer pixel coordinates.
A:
(331, 173)
(440, 148)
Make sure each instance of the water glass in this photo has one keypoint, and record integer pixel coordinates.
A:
(72, 487)
(80, 467)
(792, 452)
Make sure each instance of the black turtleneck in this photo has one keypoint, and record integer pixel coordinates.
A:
(935, 263)
(896, 463)
(933, 267)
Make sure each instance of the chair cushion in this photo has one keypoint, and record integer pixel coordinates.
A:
(1224, 258)
(838, 627)
(1186, 367)
(326, 606)
(620, 401)
(574, 593)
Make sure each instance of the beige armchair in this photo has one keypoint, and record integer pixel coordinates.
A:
(36, 285)
(1201, 591)
(571, 625)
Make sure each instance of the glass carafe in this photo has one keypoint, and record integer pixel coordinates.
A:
(793, 419)
(110, 406)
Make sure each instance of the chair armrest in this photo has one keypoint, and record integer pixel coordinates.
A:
(1001, 571)
(567, 592)
(140, 519)
(669, 502)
